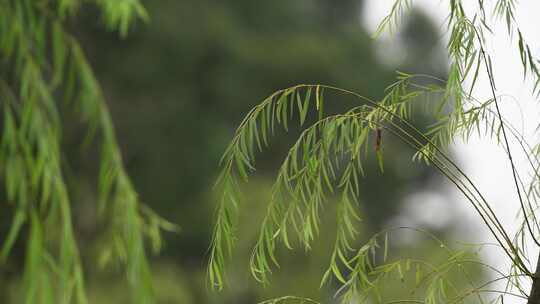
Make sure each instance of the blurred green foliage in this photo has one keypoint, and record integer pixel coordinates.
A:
(177, 87)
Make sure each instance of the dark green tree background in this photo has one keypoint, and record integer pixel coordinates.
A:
(178, 85)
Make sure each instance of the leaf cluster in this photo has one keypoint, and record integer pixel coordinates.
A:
(43, 72)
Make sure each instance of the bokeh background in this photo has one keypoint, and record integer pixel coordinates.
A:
(179, 85)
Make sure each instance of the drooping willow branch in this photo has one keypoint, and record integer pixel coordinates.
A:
(346, 133)
(42, 65)
(312, 170)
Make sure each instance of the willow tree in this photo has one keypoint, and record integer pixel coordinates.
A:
(44, 76)
(327, 162)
